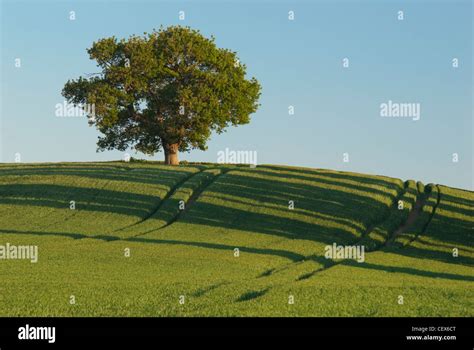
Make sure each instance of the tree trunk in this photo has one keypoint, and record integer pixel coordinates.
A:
(171, 154)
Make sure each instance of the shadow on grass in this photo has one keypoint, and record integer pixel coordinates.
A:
(354, 210)
(107, 238)
(145, 175)
(89, 199)
(252, 295)
(203, 291)
(409, 271)
(251, 208)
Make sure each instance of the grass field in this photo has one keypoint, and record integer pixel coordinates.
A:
(146, 239)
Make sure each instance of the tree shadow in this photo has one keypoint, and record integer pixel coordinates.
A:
(426, 253)
(442, 245)
(357, 209)
(246, 203)
(443, 233)
(454, 232)
(363, 179)
(408, 270)
(89, 199)
(294, 257)
(299, 211)
(449, 207)
(237, 219)
(125, 173)
(254, 294)
(458, 200)
(354, 210)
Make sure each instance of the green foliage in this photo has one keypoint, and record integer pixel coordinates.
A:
(169, 87)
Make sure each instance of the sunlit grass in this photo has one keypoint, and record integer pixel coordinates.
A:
(247, 240)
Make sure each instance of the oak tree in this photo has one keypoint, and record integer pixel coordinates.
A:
(166, 90)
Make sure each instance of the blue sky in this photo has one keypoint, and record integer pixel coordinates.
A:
(299, 63)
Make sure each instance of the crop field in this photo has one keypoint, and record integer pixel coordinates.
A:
(145, 239)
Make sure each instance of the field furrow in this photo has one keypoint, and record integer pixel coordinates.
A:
(231, 240)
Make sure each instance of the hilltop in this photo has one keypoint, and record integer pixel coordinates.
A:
(145, 239)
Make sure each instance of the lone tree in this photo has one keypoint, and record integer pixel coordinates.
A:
(168, 90)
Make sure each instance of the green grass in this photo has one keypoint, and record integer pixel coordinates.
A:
(191, 252)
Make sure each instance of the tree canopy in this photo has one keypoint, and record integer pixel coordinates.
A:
(166, 90)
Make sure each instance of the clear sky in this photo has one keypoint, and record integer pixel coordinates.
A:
(298, 63)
